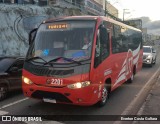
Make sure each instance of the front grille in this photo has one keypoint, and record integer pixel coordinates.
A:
(51, 95)
(44, 71)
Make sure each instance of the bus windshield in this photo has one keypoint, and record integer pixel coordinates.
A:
(66, 39)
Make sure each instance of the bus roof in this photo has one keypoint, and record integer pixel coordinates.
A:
(65, 18)
(72, 18)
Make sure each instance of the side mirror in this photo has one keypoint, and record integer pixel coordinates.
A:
(154, 51)
(32, 35)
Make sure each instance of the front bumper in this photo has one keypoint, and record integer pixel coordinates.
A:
(147, 61)
(83, 96)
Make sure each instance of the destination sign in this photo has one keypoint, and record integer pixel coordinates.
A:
(57, 26)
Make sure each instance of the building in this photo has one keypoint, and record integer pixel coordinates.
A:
(94, 7)
(88, 7)
(104, 5)
(149, 39)
(6, 1)
(137, 23)
(91, 7)
(110, 9)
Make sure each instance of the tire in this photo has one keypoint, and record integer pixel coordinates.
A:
(154, 61)
(104, 96)
(130, 80)
(3, 92)
(150, 65)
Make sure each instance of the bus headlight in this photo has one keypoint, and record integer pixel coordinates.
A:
(79, 85)
(26, 80)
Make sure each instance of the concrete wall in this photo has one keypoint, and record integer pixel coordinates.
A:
(13, 34)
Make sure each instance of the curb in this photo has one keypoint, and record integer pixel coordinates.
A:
(136, 104)
(148, 97)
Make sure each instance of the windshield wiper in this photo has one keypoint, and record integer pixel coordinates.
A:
(33, 58)
(37, 57)
(67, 59)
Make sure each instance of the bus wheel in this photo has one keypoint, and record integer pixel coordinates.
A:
(3, 92)
(130, 80)
(104, 96)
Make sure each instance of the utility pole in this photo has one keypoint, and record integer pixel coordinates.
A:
(47, 2)
(125, 13)
(105, 8)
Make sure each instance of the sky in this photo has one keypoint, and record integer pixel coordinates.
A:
(138, 8)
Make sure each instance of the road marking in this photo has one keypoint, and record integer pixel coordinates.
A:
(8, 105)
(19, 101)
(3, 112)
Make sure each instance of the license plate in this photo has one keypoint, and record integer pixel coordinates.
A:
(49, 100)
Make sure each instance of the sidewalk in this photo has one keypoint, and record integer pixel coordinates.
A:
(152, 104)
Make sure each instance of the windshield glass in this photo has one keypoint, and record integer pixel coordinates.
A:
(69, 39)
(146, 50)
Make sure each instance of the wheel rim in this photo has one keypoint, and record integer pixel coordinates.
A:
(104, 95)
(2, 92)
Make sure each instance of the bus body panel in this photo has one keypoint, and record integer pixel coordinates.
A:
(117, 67)
(84, 96)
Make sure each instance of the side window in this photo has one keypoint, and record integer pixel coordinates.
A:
(135, 39)
(124, 36)
(102, 46)
(117, 44)
(98, 45)
(97, 50)
(105, 43)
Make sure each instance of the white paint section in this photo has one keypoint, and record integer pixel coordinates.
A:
(107, 72)
(127, 63)
(136, 60)
(11, 104)
(121, 74)
(122, 70)
(135, 52)
(122, 77)
(3, 112)
(124, 62)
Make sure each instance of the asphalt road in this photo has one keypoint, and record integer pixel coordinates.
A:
(17, 104)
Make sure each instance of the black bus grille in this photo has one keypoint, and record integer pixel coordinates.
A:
(40, 71)
(44, 71)
(51, 95)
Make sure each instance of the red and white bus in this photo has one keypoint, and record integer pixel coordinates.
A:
(59, 69)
